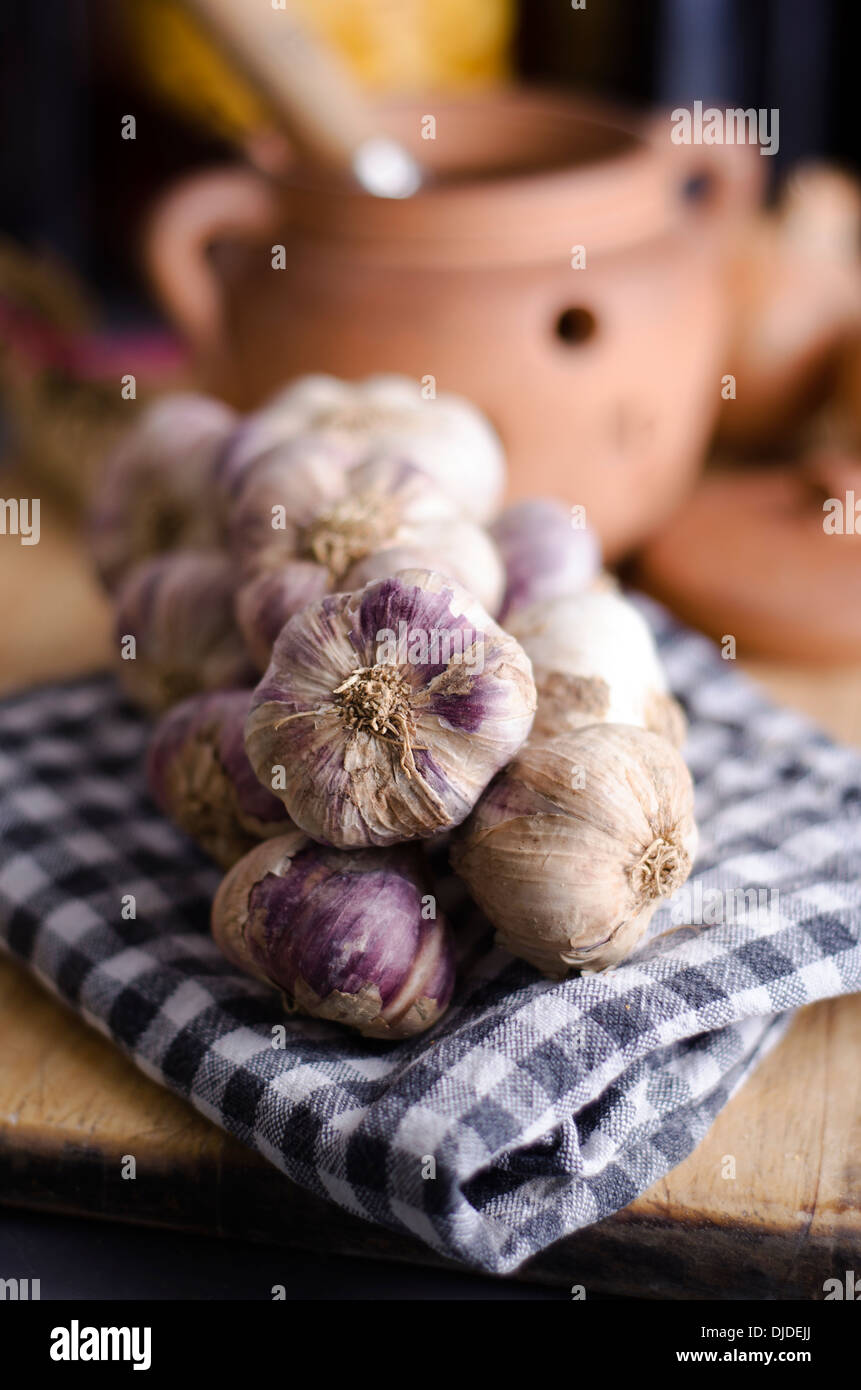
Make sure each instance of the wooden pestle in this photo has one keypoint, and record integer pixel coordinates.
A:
(317, 102)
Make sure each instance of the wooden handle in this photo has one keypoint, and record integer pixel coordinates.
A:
(317, 101)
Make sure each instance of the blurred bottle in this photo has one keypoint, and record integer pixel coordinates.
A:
(391, 46)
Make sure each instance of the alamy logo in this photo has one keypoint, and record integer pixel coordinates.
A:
(697, 906)
(846, 1288)
(76, 1343)
(22, 1290)
(842, 515)
(19, 516)
(733, 126)
(418, 646)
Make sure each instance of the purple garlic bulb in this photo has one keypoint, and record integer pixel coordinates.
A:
(354, 938)
(545, 555)
(385, 712)
(200, 777)
(267, 601)
(155, 494)
(178, 608)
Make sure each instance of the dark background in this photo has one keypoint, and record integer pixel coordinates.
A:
(68, 75)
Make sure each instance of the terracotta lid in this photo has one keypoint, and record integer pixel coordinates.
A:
(748, 555)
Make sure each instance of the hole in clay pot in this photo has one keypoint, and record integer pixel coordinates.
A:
(699, 188)
(575, 326)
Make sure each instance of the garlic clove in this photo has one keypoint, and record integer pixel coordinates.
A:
(354, 938)
(175, 630)
(572, 848)
(154, 493)
(386, 711)
(595, 660)
(545, 555)
(199, 775)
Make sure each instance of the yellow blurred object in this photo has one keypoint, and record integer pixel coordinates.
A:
(390, 45)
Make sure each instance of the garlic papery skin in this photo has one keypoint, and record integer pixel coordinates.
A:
(573, 847)
(155, 493)
(385, 712)
(178, 609)
(355, 938)
(595, 661)
(199, 775)
(545, 554)
(265, 602)
(455, 547)
(257, 441)
(297, 504)
(446, 436)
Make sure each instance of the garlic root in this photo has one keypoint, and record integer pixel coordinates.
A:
(387, 711)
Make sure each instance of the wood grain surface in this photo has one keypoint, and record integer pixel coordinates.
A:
(71, 1106)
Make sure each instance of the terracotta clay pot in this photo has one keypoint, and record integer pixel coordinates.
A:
(604, 382)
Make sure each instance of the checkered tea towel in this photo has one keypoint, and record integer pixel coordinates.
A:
(544, 1106)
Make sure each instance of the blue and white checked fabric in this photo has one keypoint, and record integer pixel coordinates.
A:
(545, 1106)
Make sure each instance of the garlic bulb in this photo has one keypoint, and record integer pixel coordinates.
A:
(266, 601)
(386, 712)
(253, 445)
(570, 851)
(155, 492)
(446, 437)
(178, 608)
(199, 775)
(298, 505)
(354, 938)
(544, 554)
(381, 564)
(455, 547)
(595, 661)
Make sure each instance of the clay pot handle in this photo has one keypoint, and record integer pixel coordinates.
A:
(232, 202)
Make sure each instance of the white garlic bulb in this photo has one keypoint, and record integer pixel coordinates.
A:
(595, 661)
(572, 848)
(299, 506)
(385, 713)
(447, 437)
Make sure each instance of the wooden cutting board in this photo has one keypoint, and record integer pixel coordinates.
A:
(71, 1106)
